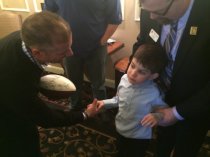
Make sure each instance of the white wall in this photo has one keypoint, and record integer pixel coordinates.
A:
(129, 29)
(126, 33)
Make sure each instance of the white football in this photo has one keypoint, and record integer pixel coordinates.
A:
(56, 86)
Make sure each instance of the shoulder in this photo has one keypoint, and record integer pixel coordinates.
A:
(150, 88)
(11, 41)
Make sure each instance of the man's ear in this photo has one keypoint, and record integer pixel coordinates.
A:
(36, 53)
(154, 76)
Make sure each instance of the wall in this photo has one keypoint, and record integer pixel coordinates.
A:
(126, 32)
(129, 29)
(22, 7)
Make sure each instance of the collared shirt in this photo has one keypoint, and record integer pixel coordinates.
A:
(180, 29)
(27, 53)
(134, 102)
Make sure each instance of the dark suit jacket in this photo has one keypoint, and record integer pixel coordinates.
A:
(21, 111)
(190, 85)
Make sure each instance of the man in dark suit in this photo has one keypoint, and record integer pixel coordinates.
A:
(187, 121)
(44, 37)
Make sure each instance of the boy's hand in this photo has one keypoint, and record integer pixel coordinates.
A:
(100, 105)
(150, 120)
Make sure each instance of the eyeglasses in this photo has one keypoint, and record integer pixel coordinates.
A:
(161, 12)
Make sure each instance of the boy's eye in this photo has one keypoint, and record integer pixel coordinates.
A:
(132, 65)
(142, 72)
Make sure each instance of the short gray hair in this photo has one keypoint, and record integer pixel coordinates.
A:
(42, 30)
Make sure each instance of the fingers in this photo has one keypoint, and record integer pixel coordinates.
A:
(149, 121)
(92, 108)
(94, 102)
(148, 124)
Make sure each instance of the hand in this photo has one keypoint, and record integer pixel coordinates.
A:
(91, 110)
(100, 105)
(149, 120)
(168, 117)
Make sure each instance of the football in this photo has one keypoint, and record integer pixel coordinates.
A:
(56, 86)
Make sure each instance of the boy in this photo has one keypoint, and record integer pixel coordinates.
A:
(137, 96)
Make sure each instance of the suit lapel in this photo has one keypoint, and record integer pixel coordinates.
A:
(187, 38)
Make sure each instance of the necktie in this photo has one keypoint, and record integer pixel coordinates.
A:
(168, 45)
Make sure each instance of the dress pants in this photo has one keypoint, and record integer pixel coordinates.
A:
(183, 138)
(128, 147)
(93, 66)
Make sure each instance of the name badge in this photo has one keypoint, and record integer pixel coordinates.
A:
(153, 35)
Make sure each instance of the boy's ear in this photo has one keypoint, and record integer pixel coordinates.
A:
(154, 76)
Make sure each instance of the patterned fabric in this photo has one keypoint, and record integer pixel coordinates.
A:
(26, 51)
(168, 45)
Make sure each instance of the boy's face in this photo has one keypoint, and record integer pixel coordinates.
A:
(137, 74)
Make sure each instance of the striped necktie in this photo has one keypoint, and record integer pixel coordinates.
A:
(168, 45)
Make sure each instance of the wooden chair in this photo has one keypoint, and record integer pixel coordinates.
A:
(9, 22)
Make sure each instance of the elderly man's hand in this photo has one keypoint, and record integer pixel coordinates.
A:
(91, 110)
(168, 117)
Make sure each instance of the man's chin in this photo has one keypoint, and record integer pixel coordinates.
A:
(164, 21)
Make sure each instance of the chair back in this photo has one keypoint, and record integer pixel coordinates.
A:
(9, 22)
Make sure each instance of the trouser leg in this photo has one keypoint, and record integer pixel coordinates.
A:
(95, 66)
(184, 138)
(74, 70)
(128, 147)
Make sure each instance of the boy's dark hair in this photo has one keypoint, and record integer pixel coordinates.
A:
(152, 57)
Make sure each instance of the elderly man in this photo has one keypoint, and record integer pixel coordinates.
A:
(44, 37)
(182, 27)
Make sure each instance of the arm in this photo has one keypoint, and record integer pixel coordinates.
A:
(111, 103)
(113, 16)
(111, 28)
(104, 104)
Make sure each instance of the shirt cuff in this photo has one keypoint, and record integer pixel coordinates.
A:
(176, 114)
(85, 115)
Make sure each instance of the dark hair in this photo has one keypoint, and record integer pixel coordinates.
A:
(152, 57)
(42, 30)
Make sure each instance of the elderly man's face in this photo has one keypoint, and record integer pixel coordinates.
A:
(160, 10)
(55, 54)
